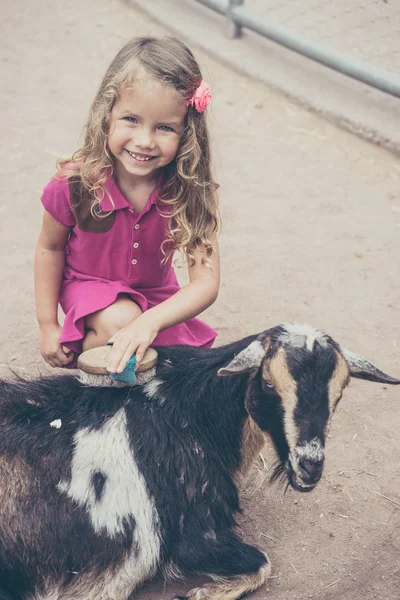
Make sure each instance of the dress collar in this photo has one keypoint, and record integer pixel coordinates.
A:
(119, 200)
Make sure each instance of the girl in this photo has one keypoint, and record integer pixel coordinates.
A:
(138, 189)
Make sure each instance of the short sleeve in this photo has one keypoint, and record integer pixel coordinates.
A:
(56, 201)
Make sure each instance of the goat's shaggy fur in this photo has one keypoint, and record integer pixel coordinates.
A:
(141, 478)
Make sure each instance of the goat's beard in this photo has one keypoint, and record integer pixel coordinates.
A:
(283, 474)
(279, 475)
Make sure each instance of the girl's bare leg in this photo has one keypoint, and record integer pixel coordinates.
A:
(103, 324)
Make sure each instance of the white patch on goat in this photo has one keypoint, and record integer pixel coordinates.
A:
(125, 495)
(312, 450)
(171, 572)
(151, 389)
(304, 335)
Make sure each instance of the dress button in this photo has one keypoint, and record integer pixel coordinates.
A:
(137, 226)
(134, 261)
(136, 245)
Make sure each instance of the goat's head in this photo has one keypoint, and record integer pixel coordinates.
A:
(298, 376)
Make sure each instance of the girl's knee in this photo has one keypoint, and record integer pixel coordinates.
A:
(114, 317)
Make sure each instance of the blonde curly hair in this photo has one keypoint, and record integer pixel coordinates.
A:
(188, 187)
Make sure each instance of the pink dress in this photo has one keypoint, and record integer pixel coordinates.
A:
(125, 259)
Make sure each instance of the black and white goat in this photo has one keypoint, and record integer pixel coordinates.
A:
(100, 487)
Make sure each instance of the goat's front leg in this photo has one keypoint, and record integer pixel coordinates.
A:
(236, 568)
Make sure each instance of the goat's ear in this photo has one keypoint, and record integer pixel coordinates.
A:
(248, 359)
(363, 369)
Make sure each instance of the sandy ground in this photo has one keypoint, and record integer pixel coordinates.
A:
(311, 234)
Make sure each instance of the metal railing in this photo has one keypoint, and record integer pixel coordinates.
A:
(238, 16)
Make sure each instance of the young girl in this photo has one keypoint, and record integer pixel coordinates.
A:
(138, 189)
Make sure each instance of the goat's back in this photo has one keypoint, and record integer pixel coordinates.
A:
(94, 477)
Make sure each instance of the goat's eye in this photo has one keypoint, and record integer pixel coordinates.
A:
(268, 384)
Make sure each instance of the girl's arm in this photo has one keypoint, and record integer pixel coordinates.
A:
(49, 266)
(193, 298)
(188, 302)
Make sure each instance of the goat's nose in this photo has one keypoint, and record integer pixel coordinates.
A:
(310, 470)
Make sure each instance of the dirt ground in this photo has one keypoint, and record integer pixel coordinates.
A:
(311, 234)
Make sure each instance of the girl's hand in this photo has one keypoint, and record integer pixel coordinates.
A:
(133, 338)
(50, 348)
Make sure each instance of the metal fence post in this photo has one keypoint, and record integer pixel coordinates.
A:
(233, 30)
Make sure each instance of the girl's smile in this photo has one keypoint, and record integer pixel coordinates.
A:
(140, 157)
(146, 126)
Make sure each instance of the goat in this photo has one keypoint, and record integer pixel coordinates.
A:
(100, 487)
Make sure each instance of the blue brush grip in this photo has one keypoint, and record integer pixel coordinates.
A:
(128, 375)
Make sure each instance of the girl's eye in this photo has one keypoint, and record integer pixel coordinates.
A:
(165, 128)
(130, 119)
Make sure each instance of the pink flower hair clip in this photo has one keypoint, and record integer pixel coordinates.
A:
(201, 98)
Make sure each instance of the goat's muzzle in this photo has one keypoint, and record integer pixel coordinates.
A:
(303, 474)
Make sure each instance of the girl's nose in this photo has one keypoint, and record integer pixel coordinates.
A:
(144, 138)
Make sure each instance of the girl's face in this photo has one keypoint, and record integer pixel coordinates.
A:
(146, 126)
